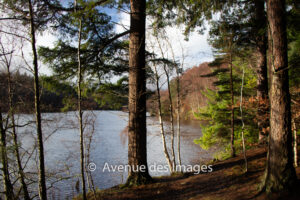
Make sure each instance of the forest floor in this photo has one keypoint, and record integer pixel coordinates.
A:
(227, 181)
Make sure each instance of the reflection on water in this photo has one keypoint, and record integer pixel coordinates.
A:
(108, 145)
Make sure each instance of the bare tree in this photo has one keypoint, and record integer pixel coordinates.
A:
(7, 61)
(167, 73)
(159, 109)
(243, 124)
(232, 99)
(42, 179)
(8, 188)
(178, 68)
(80, 112)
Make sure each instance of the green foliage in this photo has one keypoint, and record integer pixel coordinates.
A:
(112, 96)
(216, 127)
(58, 95)
(100, 57)
(294, 45)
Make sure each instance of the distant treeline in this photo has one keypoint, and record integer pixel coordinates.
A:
(57, 95)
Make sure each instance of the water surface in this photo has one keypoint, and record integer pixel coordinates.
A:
(108, 145)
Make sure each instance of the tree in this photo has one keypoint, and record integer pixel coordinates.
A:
(79, 100)
(8, 188)
(223, 37)
(293, 35)
(42, 178)
(167, 69)
(227, 37)
(280, 174)
(36, 15)
(137, 131)
(7, 62)
(242, 119)
(159, 111)
(261, 67)
(193, 15)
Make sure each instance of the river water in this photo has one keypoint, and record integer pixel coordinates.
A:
(108, 145)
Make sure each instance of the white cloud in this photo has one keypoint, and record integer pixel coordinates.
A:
(46, 39)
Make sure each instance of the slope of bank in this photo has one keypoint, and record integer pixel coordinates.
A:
(227, 181)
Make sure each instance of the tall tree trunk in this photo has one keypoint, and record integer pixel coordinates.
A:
(80, 113)
(171, 118)
(280, 172)
(161, 122)
(8, 188)
(178, 115)
(232, 107)
(261, 70)
(243, 124)
(170, 107)
(15, 138)
(42, 179)
(137, 130)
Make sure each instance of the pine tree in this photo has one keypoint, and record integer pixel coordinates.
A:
(280, 174)
(226, 36)
(137, 142)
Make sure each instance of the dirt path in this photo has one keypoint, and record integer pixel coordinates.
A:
(227, 181)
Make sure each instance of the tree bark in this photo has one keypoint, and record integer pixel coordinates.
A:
(232, 107)
(243, 124)
(162, 132)
(170, 107)
(178, 114)
(261, 70)
(280, 172)
(80, 113)
(42, 179)
(171, 119)
(137, 130)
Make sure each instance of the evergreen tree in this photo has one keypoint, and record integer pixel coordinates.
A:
(227, 37)
(253, 16)
(137, 130)
(280, 173)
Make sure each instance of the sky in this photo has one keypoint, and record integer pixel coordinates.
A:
(196, 50)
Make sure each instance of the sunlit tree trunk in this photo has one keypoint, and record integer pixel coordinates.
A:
(171, 118)
(80, 113)
(242, 119)
(170, 106)
(295, 144)
(280, 172)
(161, 121)
(137, 131)
(232, 105)
(178, 114)
(42, 179)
